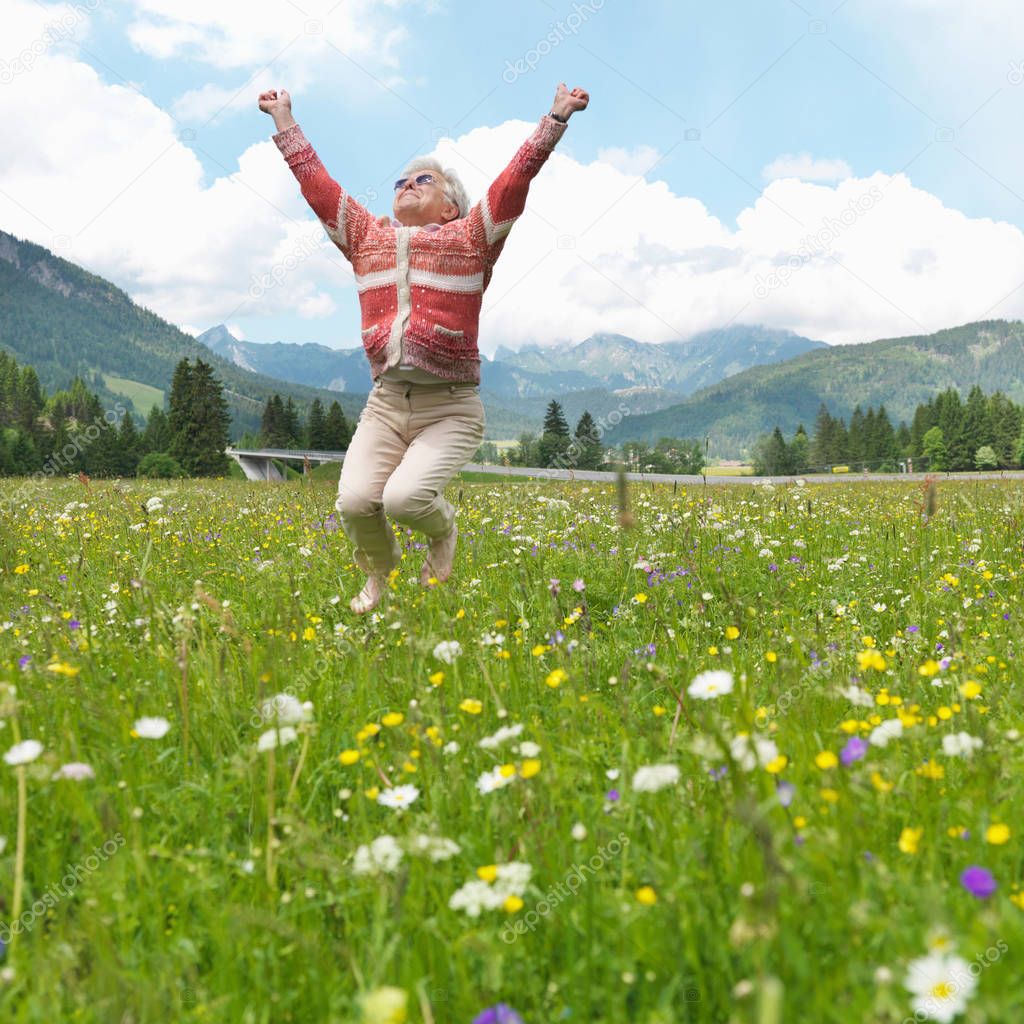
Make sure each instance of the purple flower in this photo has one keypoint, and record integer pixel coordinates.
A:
(854, 750)
(912, 629)
(578, 585)
(502, 1013)
(612, 795)
(978, 881)
(24, 660)
(717, 773)
(555, 587)
(785, 791)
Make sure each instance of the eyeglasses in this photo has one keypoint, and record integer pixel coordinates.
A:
(420, 179)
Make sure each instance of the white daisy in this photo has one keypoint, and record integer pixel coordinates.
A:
(961, 744)
(488, 782)
(397, 796)
(749, 755)
(22, 753)
(286, 709)
(151, 728)
(383, 855)
(273, 738)
(711, 684)
(890, 729)
(74, 770)
(651, 777)
(447, 651)
(941, 985)
(506, 732)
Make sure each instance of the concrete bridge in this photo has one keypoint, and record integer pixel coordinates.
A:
(257, 463)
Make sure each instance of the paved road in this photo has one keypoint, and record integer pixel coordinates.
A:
(690, 480)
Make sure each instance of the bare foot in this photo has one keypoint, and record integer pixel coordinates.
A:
(438, 563)
(369, 597)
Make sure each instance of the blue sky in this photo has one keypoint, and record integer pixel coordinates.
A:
(721, 135)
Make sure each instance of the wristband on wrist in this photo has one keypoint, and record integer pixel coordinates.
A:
(559, 118)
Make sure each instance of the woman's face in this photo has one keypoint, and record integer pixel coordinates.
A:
(416, 205)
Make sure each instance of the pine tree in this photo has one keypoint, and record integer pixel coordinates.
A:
(157, 435)
(337, 432)
(199, 420)
(588, 443)
(130, 446)
(316, 429)
(270, 422)
(799, 451)
(554, 440)
(291, 428)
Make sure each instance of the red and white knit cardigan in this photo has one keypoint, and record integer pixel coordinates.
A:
(420, 291)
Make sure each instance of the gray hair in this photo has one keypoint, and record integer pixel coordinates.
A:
(454, 192)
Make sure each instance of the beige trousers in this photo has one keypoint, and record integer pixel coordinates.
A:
(410, 440)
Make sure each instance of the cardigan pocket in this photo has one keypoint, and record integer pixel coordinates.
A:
(375, 337)
(447, 332)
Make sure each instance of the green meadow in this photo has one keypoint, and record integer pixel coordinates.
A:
(726, 754)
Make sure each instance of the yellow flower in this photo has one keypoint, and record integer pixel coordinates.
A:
(507, 770)
(540, 649)
(712, 649)
(385, 1005)
(436, 678)
(799, 821)
(929, 668)
(367, 731)
(392, 718)
(309, 633)
(639, 598)
(347, 757)
(909, 839)
(997, 834)
(62, 668)
(529, 768)
(831, 795)
(658, 710)
(731, 632)
(556, 677)
(646, 895)
(970, 689)
(931, 770)
(850, 725)
(471, 706)
(870, 659)
(372, 793)
(1017, 899)
(21, 569)
(776, 764)
(771, 657)
(826, 759)
(879, 783)
(487, 873)
(512, 904)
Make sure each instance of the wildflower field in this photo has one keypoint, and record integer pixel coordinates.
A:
(742, 754)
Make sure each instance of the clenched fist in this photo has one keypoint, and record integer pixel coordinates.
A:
(279, 106)
(567, 102)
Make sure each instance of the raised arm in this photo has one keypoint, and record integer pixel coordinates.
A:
(492, 218)
(345, 220)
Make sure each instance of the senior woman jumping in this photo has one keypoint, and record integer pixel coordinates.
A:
(421, 276)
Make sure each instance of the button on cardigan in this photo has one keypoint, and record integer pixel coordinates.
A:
(420, 290)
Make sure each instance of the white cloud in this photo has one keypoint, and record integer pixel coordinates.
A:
(235, 331)
(266, 44)
(97, 173)
(807, 168)
(597, 250)
(630, 161)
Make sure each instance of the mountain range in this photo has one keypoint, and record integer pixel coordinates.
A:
(731, 385)
(66, 321)
(899, 373)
